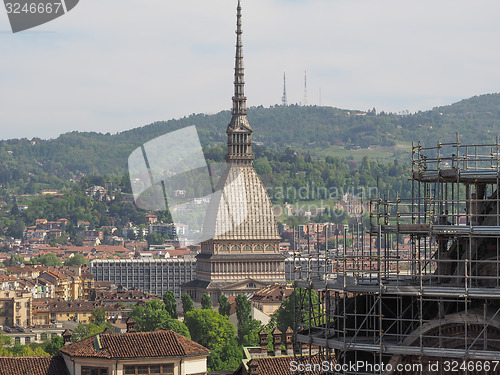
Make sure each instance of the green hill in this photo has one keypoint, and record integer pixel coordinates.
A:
(318, 131)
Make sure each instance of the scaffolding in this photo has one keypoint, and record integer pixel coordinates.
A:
(418, 292)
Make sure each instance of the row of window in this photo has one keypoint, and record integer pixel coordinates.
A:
(27, 339)
(94, 371)
(167, 369)
(159, 275)
(246, 248)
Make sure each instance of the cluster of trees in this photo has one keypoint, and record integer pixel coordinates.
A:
(158, 314)
(48, 260)
(205, 326)
(76, 260)
(48, 348)
(208, 327)
(212, 329)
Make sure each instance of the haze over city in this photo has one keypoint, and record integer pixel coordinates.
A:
(116, 65)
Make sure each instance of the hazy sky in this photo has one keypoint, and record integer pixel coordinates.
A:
(112, 65)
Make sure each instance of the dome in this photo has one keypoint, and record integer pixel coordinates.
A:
(241, 208)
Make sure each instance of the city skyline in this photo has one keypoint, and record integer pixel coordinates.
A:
(157, 61)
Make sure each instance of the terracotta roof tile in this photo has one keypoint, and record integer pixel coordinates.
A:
(33, 366)
(157, 344)
(283, 365)
(273, 293)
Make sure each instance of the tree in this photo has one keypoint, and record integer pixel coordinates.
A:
(15, 210)
(262, 166)
(18, 350)
(98, 316)
(153, 316)
(16, 229)
(49, 260)
(206, 301)
(83, 331)
(187, 303)
(76, 260)
(14, 260)
(170, 303)
(150, 317)
(243, 309)
(224, 305)
(78, 240)
(179, 327)
(5, 340)
(215, 332)
(53, 346)
(63, 240)
(248, 328)
(285, 316)
(155, 239)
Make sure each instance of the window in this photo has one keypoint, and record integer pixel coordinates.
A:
(94, 371)
(155, 369)
(149, 369)
(27, 340)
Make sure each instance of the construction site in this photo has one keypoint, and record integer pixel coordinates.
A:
(431, 307)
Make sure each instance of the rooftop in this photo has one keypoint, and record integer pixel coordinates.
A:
(32, 366)
(283, 365)
(157, 344)
(273, 293)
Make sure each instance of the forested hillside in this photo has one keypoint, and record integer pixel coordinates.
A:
(27, 166)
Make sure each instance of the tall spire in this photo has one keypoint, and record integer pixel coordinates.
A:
(239, 130)
(239, 100)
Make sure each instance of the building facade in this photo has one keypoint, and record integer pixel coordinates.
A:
(151, 275)
(15, 308)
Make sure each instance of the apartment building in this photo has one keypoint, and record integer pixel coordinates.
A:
(15, 308)
(53, 311)
(151, 275)
(63, 284)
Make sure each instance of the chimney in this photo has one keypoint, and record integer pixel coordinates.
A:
(130, 325)
(288, 341)
(263, 341)
(66, 335)
(253, 366)
(277, 342)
